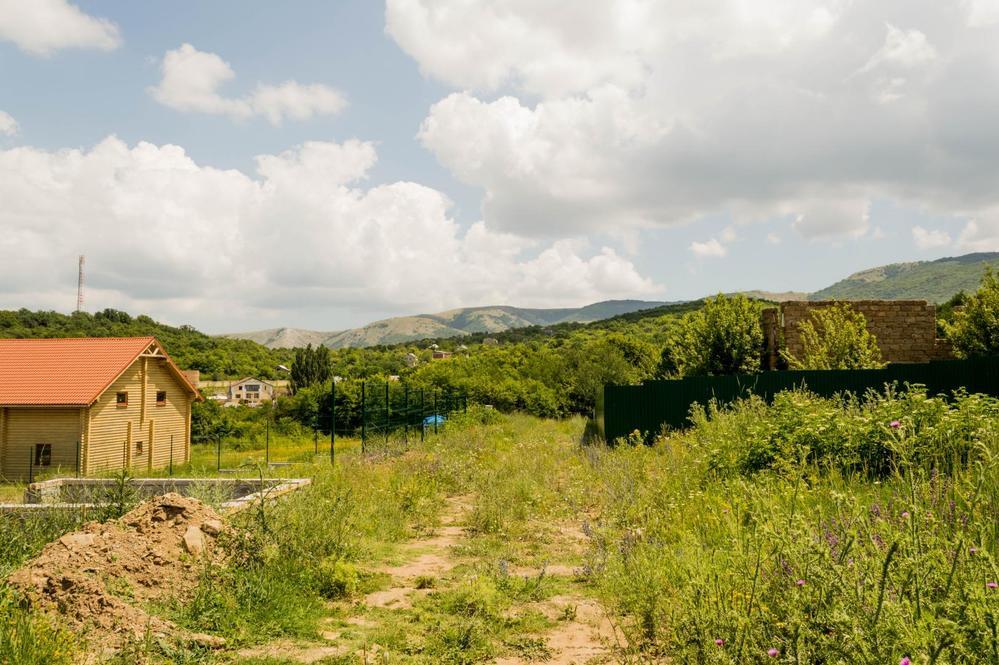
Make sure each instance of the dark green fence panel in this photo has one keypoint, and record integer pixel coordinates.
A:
(651, 406)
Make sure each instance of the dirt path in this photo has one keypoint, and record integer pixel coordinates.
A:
(425, 559)
(580, 631)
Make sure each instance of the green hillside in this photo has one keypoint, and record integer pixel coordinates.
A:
(934, 281)
(214, 357)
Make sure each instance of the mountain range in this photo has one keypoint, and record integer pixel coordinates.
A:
(934, 281)
(452, 323)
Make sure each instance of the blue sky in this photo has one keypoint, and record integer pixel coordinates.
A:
(242, 165)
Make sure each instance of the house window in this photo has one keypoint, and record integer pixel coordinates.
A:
(160, 398)
(43, 454)
(138, 447)
(121, 399)
(252, 388)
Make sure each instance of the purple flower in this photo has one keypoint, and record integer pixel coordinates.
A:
(972, 550)
(905, 514)
(773, 652)
(905, 661)
(800, 582)
(894, 424)
(720, 642)
(992, 585)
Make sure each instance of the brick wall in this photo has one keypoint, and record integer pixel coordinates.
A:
(906, 330)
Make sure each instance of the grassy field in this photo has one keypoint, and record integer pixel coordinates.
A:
(809, 531)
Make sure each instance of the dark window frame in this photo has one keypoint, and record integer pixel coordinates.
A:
(43, 454)
(161, 398)
(118, 398)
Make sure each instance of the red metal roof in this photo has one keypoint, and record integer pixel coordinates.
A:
(68, 371)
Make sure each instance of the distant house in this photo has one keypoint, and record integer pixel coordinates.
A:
(441, 355)
(93, 404)
(251, 392)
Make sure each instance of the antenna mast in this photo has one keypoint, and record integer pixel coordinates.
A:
(79, 286)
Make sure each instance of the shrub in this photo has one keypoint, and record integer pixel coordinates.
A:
(723, 337)
(835, 337)
(337, 579)
(975, 330)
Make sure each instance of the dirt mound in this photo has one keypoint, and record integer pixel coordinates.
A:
(99, 578)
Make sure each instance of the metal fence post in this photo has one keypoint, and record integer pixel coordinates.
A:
(387, 417)
(333, 421)
(267, 440)
(436, 415)
(423, 425)
(364, 416)
(31, 466)
(218, 453)
(405, 410)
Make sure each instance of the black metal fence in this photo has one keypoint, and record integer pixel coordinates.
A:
(385, 410)
(649, 407)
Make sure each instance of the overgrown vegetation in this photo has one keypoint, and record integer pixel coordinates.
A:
(975, 327)
(820, 530)
(723, 337)
(835, 337)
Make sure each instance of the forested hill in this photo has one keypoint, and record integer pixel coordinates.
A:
(215, 357)
(934, 281)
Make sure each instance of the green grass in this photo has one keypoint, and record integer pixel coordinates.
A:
(811, 526)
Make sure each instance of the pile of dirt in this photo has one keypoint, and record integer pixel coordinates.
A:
(100, 577)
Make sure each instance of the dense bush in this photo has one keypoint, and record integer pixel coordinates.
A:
(847, 434)
(975, 327)
(835, 337)
(723, 337)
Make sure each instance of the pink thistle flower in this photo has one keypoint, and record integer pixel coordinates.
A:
(972, 550)
(992, 585)
(773, 652)
(800, 582)
(905, 514)
(905, 661)
(720, 642)
(895, 424)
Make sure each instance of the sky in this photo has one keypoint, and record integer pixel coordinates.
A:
(240, 165)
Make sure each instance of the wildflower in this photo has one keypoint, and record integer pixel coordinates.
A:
(905, 661)
(800, 582)
(895, 424)
(992, 585)
(720, 642)
(773, 652)
(972, 550)
(905, 514)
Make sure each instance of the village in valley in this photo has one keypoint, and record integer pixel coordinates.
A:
(618, 332)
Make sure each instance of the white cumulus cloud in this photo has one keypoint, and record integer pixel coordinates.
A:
(930, 238)
(302, 235)
(191, 80)
(42, 27)
(626, 114)
(711, 248)
(8, 126)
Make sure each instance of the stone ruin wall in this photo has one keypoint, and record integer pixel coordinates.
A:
(906, 330)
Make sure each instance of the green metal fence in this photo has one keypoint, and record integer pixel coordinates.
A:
(649, 407)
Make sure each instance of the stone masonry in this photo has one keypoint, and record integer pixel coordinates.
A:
(906, 330)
